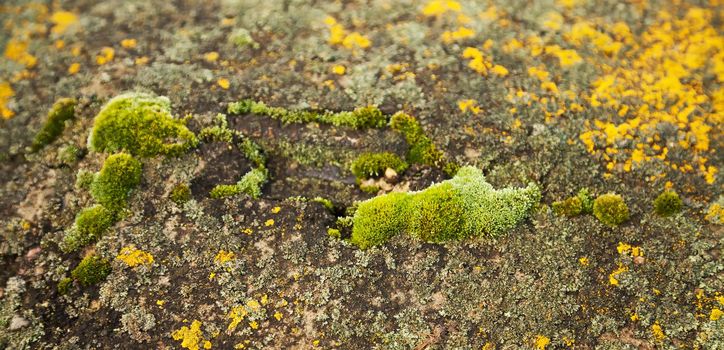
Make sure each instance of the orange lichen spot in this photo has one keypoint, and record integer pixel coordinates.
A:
(134, 257)
(339, 69)
(17, 51)
(74, 68)
(224, 256)
(128, 43)
(106, 55)
(211, 56)
(6, 93)
(439, 7)
(62, 20)
(541, 341)
(191, 337)
(469, 105)
(223, 83)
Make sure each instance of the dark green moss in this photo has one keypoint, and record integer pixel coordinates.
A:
(610, 209)
(91, 270)
(90, 224)
(142, 125)
(571, 206)
(62, 111)
(667, 203)
(119, 175)
(64, 285)
(360, 118)
(180, 194)
(374, 164)
(421, 149)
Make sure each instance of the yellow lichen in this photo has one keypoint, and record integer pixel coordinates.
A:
(6, 93)
(191, 337)
(223, 83)
(134, 257)
(224, 256)
(62, 20)
(541, 341)
(106, 55)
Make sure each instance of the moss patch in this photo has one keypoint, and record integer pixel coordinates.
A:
(374, 164)
(119, 175)
(667, 203)
(91, 270)
(90, 224)
(360, 118)
(142, 125)
(62, 111)
(610, 209)
(465, 206)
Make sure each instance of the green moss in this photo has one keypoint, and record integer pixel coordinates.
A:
(667, 203)
(90, 224)
(378, 219)
(360, 118)
(251, 184)
(610, 209)
(334, 233)
(180, 194)
(91, 270)
(579, 204)
(69, 154)
(84, 179)
(64, 285)
(253, 152)
(119, 175)
(374, 164)
(219, 132)
(437, 214)
(464, 206)
(325, 202)
(140, 124)
(421, 149)
(62, 111)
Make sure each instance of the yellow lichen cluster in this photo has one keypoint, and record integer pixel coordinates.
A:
(482, 64)
(612, 277)
(338, 35)
(439, 7)
(627, 249)
(541, 341)
(191, 337)
(133, 257)
(6, 93)
(647, 84)
(223, 256)
(469, 106)
(106, 55)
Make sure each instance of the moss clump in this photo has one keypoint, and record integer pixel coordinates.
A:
(610, 209)
(219, 132)
(62, 111)
(334, 233)
(251, 184)
(464, 206)
(667, 203)
(253, 152)
(84, 179)
(119, 175)
(360, 118)
(180, 194)
(91, 270)
(64, 285)
(378, 219)
(374, 164)
(90, 224)
(140, 124)
(422, 150)
(579, 204)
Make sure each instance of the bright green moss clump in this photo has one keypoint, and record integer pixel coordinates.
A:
(62, 111)
(251, 184)
(422, 150)
(119, 175)
(369, 165)
(462, 207)
(142, 125)
(610, 209)
(90, 224)
(667, 203)
(360, 118)
(91, 270)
